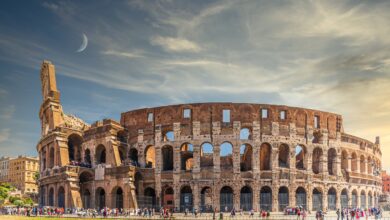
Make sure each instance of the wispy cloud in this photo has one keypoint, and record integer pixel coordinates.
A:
(7, 112)
(175, 44)
(129, 55)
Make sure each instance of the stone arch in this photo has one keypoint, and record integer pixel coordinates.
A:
(101, 154)
(167, 158)
(61, 197)
(317, 160)
(117, 197)
(245, 134)
(206, 155)
(206, 199)
(369, 165)
(226, 199)
(87, 157)
(169, 136)
(301, 197)
(317, 199)
(362, 164)
(150, 157)
(133, 156)
(363, 204)
(265, 156)
(51, 157)
(74, 147)
(354, 199)
(186, 198)
(246, 198)
(168, 200)
(344, 198)
(284, 156)
(149, 197)
(100, 198)
(226, 155)
(283, 198)
(51, 197)
(332, 198)
(344, 160)
(187, 156)
(300, 157)
(332, 161)
(246, 155)
(266, 198)
(354, 164)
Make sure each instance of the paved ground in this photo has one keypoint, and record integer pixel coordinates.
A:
(274, 216)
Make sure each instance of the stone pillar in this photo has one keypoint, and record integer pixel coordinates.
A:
(176, 196)
(236, 158)
(216, 203)
(64, 154)
(291, 196)
(196, 158)
(309, 201)
(141, 149)
(338, 165)
(349, 163)
(338, 199)
(275, 198)
(216, 158)
(325, 200)
(256, 197)
(309, 159)
(196, 196)
(357, 164)
(358, 200)
(324, 163)
(236, 198)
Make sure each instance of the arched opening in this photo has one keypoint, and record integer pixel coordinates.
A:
(362, 164)
(246, 198)
(86, 198)
(167, 158)
(61, 197)
(226, 156)
(266, 198)
(74, 147)
(150, 198)
(121, 136)
(87, 157)
(169, 136)
(246, 153)
(133, 156)
(283, 156)
(344, 198)
(168, 201)
(118, 197)
(51, 157)
(85, 183)
(354, 162)
(283, 198)
(100, 198)
(370, 200)
(43, 160)
(265, 156)
(42, 194)
(317, 160)
(300, 196)
(332, 161)
(101, 157)
(369, 165)
(300, 157)
(332, 198)
(354, 199)
(51, 197)
(187, 156)
(363, 204)
(186, 198)
(344, 160)
(206, 155)
(206, 200)
(317, 200)
(122, 153)
(226, 199)
(245, 134)
(150, 157)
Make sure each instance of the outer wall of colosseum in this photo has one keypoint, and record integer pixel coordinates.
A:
(263, 156)
(206, 155)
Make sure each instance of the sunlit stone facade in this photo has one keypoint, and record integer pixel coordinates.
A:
(205, 155)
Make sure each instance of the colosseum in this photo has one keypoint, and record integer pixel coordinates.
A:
(205, 156)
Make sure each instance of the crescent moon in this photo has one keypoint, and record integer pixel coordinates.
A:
(84, 44)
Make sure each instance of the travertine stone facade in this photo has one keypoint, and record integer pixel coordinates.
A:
(206, 155)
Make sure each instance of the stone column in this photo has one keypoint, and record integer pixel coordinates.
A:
(196, 196)
(349, 163)
(309, 160)
(256, 197)
(358, 199)
(275, 198)
(325, 200)
(338, 199)
(357, 164)
(236, 158)
(216, 198)
(309, 201)
(236, 198)
(216, 158)
(196, 158)
(338, 165)
(324, 163)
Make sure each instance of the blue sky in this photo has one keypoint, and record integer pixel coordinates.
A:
(327, 55)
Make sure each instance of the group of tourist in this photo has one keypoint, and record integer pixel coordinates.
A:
(356, 213)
